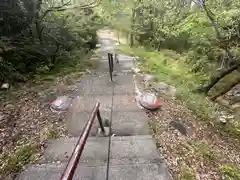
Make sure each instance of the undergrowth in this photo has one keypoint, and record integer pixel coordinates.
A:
(27, 151)
(230, 172)
(170, 67)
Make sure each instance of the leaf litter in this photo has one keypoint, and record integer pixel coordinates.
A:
(26, 118)
(199, 155)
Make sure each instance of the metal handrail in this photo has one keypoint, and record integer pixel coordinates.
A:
(77, 152)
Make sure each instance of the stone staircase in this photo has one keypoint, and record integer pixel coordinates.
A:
(132, 154)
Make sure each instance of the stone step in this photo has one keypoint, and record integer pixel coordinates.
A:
(121, 103)
(77, 119)
(152, 171)
(124, 150)
(53, 171)
(133, 150)
(95, 151)
(129, 123)
(93, 85)
(125, 103)
(76, 123)
(122, 66)
(123, 84)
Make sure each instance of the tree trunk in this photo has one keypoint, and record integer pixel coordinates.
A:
(39, 30)
(37, 20)
(226, 89)
(214, 80)
(131, 40)
(133, 25)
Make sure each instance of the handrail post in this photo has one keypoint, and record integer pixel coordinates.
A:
(112, 61)
(100, 121)
(110, 66)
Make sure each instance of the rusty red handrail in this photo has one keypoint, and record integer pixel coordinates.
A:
(77, 152)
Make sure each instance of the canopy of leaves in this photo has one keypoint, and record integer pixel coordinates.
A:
(206, 32)
(35, 34)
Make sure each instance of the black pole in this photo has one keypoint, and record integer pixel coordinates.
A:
(100, 121)
(110, 66)
(112, 62)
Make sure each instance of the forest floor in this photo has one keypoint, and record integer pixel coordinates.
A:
(26, 120)
(202, 154)
(195, 144)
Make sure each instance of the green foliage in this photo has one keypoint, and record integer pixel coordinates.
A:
(170, 67)
(230, 172)
(116, 14)
(44, 35)
(186, 174)
(179, 26)
(166, 68)
(19, 158)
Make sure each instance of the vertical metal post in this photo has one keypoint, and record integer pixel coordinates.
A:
(116, 58)
(112, 61)
(110, 66)
(100, 121)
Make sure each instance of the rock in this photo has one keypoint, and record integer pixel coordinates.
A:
(136, 70)
(224, 117)
(88, 71)
(148, 77)
(165, 89)
(149, 101)
(5, 86)
(161, 86)
(172, 92)
(236, 106)
(177, 124)
(136, 58)
(62, 103)
(9, 106)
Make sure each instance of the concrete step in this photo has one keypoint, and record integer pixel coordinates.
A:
(125, 103)
(153, 171)
(95, 151)
(124, 150)
(53, 171)
(133, 150)
(120, 104)
(98, 85)
(122, 66)
(77, 120)
(129, 123)
(95, 85)
(123, 84)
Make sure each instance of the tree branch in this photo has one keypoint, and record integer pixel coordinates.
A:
(214, 80)
(226, 89)
(60, 8)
